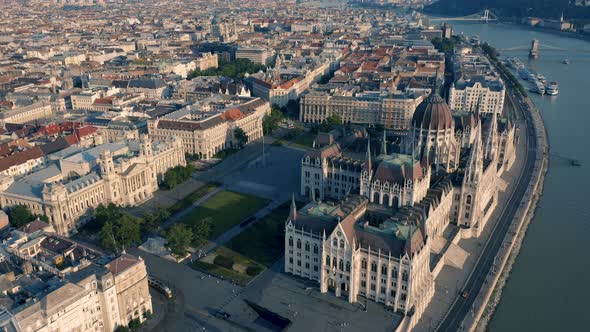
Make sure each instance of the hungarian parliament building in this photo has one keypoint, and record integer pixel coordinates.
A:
(372, 222)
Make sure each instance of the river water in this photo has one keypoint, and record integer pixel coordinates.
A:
(549, 286)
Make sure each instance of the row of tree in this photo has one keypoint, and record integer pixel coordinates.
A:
(20, 215)
(492, 53)
(177, 175)
(235, 69)
(119, 229)
(180, 237)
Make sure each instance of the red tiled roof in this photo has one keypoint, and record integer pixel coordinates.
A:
(20, 158)
(121, 263)
(233, 114)
(72, 139)
(85, 131)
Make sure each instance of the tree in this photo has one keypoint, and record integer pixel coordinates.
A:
(271, 121)
(151, 221)
(201, 230)
(179, 238)
(122, 328)
(240, 136)
(330, 123)
(177, 175)
(20, 215)
(120, 233)
(134, 324)
(107, 237)
(445, 45)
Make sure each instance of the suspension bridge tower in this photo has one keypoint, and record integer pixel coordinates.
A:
(534, 51)
(486, 15)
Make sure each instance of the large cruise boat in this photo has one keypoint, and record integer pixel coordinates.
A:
(552, 88)
(524, 73)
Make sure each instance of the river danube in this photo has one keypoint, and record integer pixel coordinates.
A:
(549, 286)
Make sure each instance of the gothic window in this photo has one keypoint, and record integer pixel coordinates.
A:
(374, 267)
(394, 272)
(306, 246)
(335, 243)
(384, 269)
(468, 200)
(334, 262)
(315, 249)
(364, 264)
(298, 244)
(341, 265)
(341, 243)
(347, 266)
(290, 241)
(405, 276)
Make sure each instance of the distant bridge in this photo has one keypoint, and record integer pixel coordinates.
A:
(544, 48)
(483, 16)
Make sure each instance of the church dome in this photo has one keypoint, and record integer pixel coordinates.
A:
(433, 113)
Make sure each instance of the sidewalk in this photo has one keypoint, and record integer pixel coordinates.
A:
(179, 215)
(236, 230)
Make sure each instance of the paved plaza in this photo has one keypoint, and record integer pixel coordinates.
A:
(199, 297)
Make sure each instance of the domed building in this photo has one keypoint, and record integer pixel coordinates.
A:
(432, 134)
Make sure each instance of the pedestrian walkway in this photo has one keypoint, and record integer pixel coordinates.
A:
(237, 229)
(186, 211)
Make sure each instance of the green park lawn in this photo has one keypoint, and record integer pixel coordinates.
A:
(225, 209)
(192, 197)
(264, 241)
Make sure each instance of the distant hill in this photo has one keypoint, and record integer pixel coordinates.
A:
(511, 8)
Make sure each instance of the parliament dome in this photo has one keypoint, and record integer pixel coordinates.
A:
(433, 113)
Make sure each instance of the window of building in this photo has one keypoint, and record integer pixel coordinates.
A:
(306, 246)
(290, 241)
(384, 269)
(374, 267)
(328, 260)
(298, 262)
(335, 243)
(341, 243)
(347, 266)
(373, 287)
(315, 249)
(298, 244)
(341, 265)
(315, 268)
(405, 276)
(364, 264)
(382, 290)
(363, 284)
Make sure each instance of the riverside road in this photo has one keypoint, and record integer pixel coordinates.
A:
(460, 308)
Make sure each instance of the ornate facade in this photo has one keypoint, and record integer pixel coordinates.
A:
(213, 133)
(375, 241)
(120, 173)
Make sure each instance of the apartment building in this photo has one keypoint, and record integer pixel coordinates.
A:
(206, 133)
